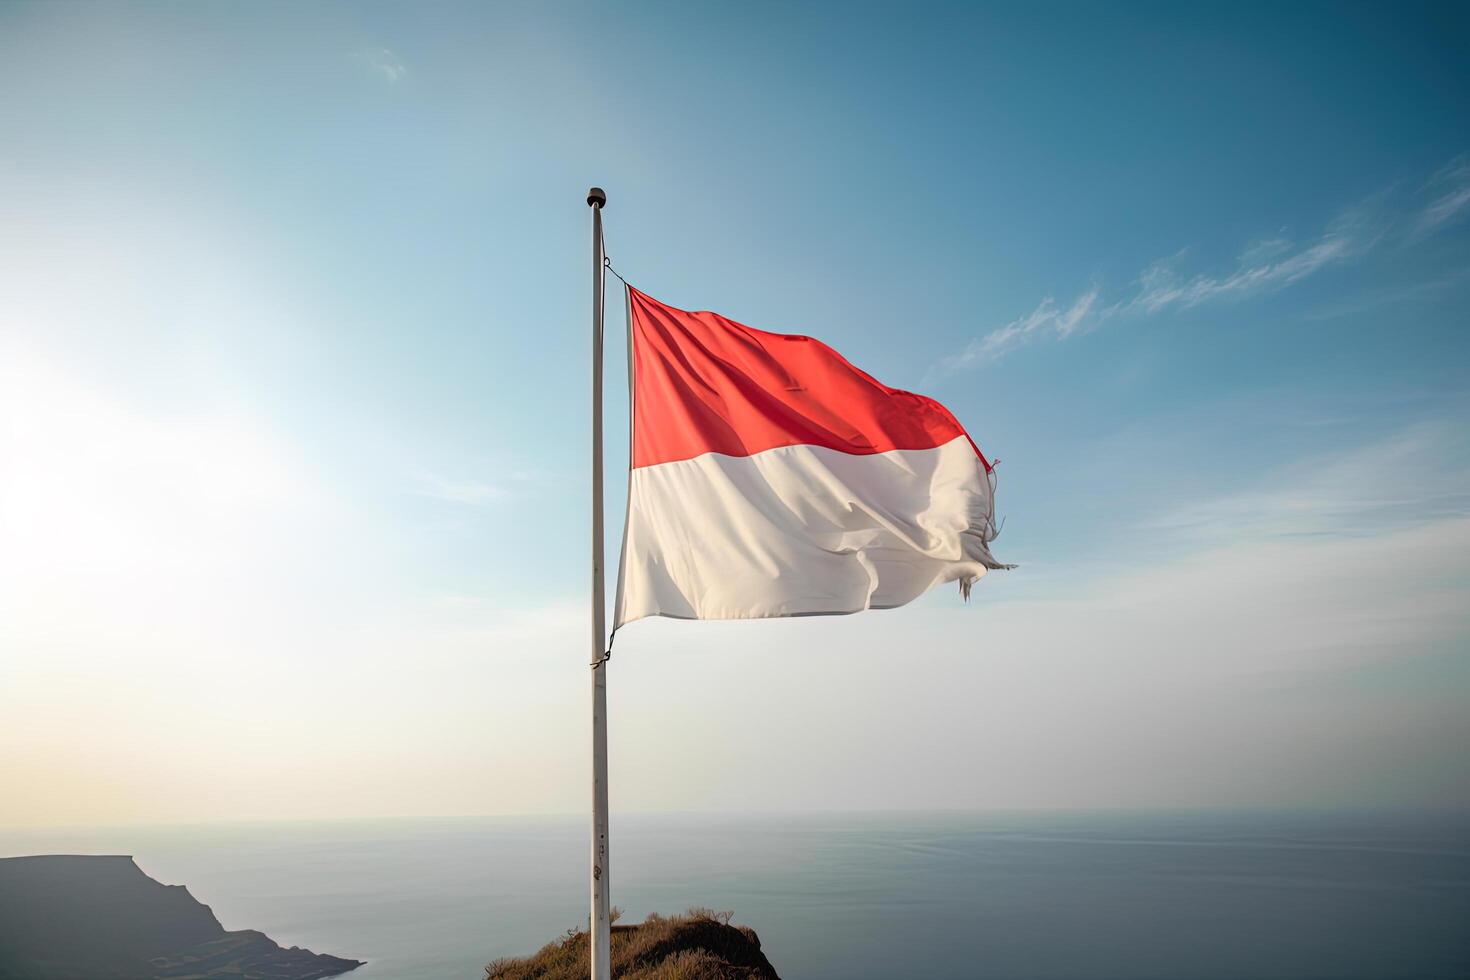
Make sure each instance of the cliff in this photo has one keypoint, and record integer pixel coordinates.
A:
(65, 917)
(701, 945)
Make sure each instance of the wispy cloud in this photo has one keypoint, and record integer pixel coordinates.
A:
(1417, 475)
(387, 64)
(1048, 319)
(1451, 187)
(473, 492)
(507, 480)
(1264, 266)
(1264, 250)
(1391, 295)
(1160, 286)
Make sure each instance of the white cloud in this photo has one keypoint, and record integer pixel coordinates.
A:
(387, 64)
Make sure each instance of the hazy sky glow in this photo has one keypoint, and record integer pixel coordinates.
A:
(293, 350)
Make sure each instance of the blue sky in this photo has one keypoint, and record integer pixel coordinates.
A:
(295, 346)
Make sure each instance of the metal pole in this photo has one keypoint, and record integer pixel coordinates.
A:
(601, 926)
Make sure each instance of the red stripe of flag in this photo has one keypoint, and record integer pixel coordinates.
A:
(707, 384)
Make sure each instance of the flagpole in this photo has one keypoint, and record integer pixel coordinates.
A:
(601, 926)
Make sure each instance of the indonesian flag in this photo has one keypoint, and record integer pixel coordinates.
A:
(770, 477)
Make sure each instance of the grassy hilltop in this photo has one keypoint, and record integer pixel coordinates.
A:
(699, 945)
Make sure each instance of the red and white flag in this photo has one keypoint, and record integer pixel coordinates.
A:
(772, 478)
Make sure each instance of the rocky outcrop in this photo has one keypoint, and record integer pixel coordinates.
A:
(700, 945)
(99, 917)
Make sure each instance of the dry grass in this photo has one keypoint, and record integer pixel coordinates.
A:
(699, 945)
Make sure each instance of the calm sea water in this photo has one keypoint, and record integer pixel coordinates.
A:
(1076, 896)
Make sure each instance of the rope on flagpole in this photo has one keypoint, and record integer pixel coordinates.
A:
(602, 324)
(607, 264)
(606, 654)
(601, 334)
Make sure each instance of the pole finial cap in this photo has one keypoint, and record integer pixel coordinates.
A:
(596, 197)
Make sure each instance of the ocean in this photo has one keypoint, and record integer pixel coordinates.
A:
(1074, 896)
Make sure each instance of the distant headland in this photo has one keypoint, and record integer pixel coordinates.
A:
(64, 916)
